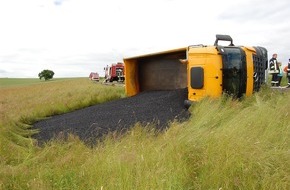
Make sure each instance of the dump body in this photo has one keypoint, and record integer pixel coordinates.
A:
(160, 71)
(203, 70)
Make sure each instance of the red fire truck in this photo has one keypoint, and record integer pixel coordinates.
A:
(115, 72)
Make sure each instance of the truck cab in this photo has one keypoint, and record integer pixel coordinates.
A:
(115, 72)
(235, 70)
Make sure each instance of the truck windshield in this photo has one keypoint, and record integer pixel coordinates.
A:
(234, 71)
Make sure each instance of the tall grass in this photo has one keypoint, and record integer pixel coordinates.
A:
(28, 103)
(21, 106)
(226, 144)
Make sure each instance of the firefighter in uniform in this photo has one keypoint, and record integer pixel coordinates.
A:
(288, 74)
(274, 69)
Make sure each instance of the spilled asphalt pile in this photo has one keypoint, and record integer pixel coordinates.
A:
(92, 123)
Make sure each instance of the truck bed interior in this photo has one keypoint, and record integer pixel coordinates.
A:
(158, 71)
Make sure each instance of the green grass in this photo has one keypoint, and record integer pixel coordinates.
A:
(11, 82)
(226, 144)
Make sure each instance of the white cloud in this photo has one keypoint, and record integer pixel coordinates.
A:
(75, 37)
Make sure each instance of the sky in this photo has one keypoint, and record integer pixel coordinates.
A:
(76, 37)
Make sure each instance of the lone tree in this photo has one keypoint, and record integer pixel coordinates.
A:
(46, 74)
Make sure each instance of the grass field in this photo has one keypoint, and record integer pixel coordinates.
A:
(226, 144)
(11, 82)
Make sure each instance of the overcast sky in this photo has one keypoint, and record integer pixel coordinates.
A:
(76, 37)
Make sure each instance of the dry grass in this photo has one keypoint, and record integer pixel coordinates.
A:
(28, 103)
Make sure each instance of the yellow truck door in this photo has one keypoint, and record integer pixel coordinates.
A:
(204, 73)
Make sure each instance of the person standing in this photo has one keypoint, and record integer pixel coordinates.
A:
(288, 74)
(280, 74)
(274, 69)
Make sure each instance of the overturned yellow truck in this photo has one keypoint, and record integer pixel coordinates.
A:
(203, 70)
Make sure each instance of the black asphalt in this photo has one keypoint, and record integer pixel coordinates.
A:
(91, 123)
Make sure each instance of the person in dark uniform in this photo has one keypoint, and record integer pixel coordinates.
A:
(274, 69)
